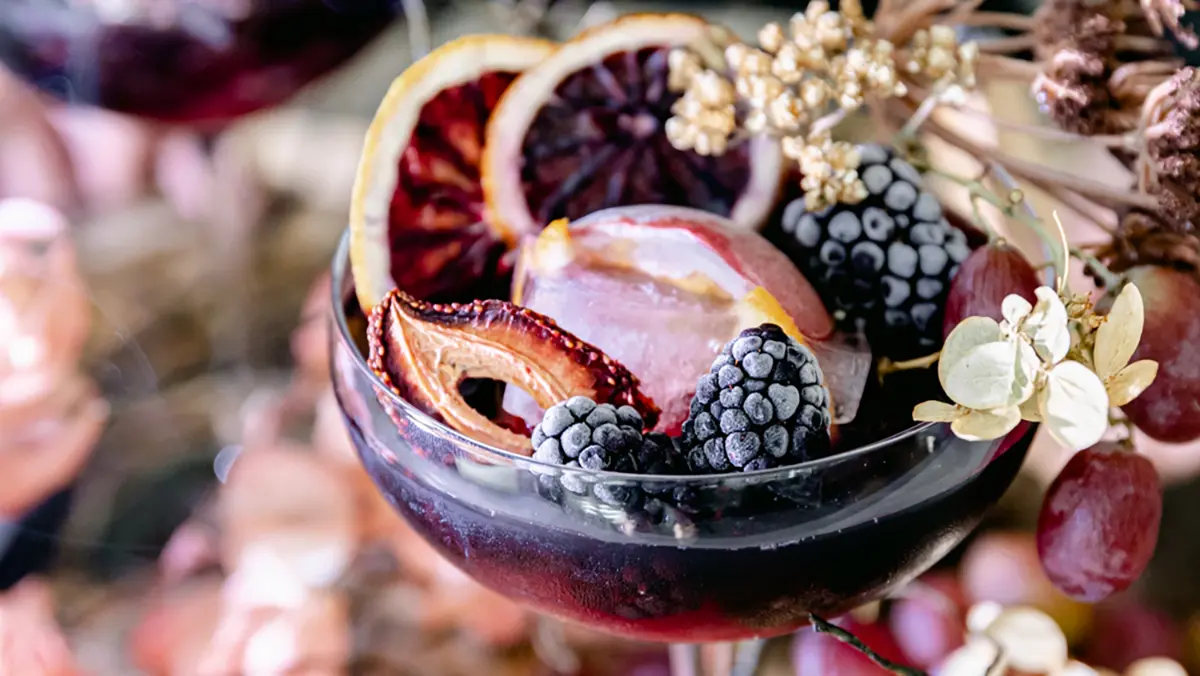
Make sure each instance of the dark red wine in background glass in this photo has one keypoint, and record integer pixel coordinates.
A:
(196, 62)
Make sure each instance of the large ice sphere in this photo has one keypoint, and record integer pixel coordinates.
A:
(662, 289)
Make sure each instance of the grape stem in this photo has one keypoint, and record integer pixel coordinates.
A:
(822, 626)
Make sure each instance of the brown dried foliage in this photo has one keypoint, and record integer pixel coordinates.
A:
(1077, 41)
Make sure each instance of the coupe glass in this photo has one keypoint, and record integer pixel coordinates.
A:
(185, 61)
(744, 557)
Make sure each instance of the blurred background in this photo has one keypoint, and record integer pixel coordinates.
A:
(167, 311)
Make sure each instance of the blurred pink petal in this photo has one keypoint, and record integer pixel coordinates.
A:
(31, 641)
(34, 162)
(111, 154)
(310, 340)
(44, 307)
(45, 443)
(294, 506)
(176, 629)
(192, 547)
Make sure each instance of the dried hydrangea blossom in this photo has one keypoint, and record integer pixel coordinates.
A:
(1056, 362)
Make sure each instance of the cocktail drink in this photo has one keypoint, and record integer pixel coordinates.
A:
(592, 349)
(183, 62)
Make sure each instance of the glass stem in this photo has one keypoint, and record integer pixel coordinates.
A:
(715, 659)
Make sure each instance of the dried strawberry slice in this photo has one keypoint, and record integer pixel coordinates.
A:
(424, 351)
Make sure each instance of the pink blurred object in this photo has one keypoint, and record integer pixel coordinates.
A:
(31, 641)
(816, 654)
(1124, 631)
(928, 621)
(51, 415)
(310, 339)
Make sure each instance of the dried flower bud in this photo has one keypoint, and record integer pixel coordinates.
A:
(786, 113)
(755, 62)
(771, 37)
(815, 93)
(735, 55)
(787, 65)
(683, 66)
(710, 89)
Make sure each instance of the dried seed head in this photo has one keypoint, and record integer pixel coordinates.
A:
(935, 54)
(830, 170)
(683, 66)
(771, 37)
(1076, 43)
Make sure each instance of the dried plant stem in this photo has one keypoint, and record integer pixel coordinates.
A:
(1124, 141)
(1006, 68)
(1110, 279)
(828, 122)
(1012, 208)
(1016, 43)
(887, 367)
(822, 626)
(1033, 173)
(1011, 21)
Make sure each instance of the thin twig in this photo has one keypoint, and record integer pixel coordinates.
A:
(822, 626)
(887, 367)
(1018, 22)
(1016, 43)
(1110, 279)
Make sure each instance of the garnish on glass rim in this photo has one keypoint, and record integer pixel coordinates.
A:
(1043, 363)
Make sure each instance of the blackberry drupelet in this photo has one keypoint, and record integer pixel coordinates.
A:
(884, 264)
(600, 437)
(763, 404)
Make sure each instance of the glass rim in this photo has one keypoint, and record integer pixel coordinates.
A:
(341, 272)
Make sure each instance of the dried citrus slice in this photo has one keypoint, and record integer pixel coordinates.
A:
(417, 207)
(584, 130)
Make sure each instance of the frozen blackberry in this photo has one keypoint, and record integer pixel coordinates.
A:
(600, 437)
(885, 263)
(762, 404)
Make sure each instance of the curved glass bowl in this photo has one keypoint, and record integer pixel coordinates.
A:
(670, 558)
(184, 61)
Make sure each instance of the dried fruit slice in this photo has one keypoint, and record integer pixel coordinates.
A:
(583, 130)
(417, 207)
(424, 352)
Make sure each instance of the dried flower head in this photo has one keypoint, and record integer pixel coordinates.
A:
(1055, 362)
(1077, 42)
(1162, 14)
(1172, 132)
(799, 83)
(936, 54)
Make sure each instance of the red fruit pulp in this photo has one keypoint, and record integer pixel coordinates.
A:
(193, 61)
(1169, 410)
(441, 249)
(989, 275)
(1099, 522)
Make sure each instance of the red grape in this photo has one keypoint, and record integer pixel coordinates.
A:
(816, 654)
(927, 627)
(1125, 632)
(1099, 522)
(1169, 410)
(984, 280)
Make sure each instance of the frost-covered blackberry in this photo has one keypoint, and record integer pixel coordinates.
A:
(762, 404)
(600, 437)
(884, 263)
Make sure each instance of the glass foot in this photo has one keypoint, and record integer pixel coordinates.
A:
(716, 659)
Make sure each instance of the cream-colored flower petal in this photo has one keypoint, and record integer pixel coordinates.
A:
(1155, 666)
(1028, 366)
(979, 656)
(938, 411)
(1131, 381)
(985, 377)
(968, 335)
(1014, 309)
(1118, 337)
(1074, 405)
(1047, 327)
(986, 425)
(1031, 639)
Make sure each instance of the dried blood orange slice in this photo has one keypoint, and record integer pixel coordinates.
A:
(584, 130)
(416, 212)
